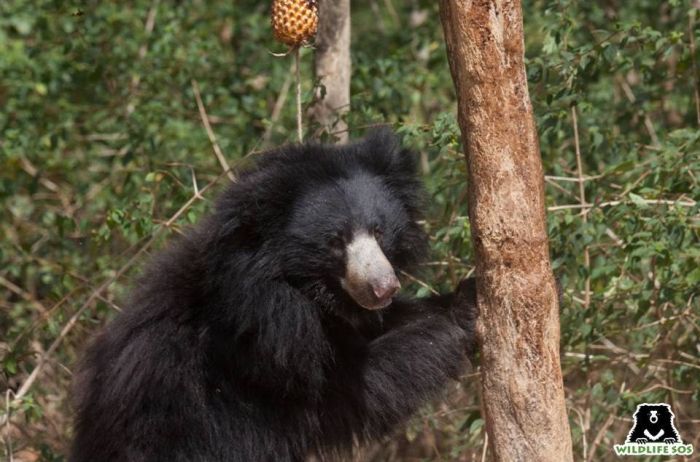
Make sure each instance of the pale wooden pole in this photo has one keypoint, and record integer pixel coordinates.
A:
(522, 389)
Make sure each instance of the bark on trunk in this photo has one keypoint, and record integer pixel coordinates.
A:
(333, 68)
(523, 396)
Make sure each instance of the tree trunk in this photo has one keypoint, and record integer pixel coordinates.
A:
(333, 68)
(522, 389)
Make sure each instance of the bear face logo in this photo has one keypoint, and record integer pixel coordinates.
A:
(653, 423)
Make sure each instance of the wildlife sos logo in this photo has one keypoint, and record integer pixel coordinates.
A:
(653, 434)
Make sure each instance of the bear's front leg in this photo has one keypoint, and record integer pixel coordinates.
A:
(465, 311)
(459, 306)
(424, 344)
(641, 441)
(670, 440)
(397, 373)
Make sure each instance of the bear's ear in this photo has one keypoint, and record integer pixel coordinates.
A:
(382, 149)
(252, 208)
(232, 217)
(382, 153)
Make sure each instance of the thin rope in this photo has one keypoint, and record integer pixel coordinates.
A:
(299, 114)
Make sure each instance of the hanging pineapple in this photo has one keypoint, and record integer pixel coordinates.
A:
(294, 22)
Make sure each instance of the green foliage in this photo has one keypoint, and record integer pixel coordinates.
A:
(103, 156)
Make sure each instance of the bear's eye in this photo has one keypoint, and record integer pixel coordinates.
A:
(378, 233)
(337, 243)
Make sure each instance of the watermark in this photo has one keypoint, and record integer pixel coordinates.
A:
(653, 434)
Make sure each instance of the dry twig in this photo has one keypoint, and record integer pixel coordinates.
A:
(277, 108)
(143, 49)
(582, 198)
(680, 203)
(210, 133)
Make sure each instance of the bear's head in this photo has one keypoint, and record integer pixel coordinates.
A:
(338, 219)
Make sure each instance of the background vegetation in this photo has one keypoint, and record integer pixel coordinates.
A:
(103, 156)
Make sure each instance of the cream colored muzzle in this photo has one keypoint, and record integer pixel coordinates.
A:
(369, 277)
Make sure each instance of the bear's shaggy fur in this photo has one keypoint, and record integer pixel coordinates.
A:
(240, 343)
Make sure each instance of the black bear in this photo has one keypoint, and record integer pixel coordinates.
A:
(653, 423)
(272, 331)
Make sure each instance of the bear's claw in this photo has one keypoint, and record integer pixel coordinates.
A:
(465, 311)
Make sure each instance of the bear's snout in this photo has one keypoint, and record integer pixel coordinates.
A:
(386, 287)
(369, 277)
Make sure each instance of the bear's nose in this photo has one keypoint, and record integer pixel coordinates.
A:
(386, 287)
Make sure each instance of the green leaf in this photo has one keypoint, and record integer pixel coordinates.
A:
(638, 200)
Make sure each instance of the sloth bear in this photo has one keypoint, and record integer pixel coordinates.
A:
(273, 331)
(653, 423)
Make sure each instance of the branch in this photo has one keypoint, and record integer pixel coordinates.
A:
(279, 105)
(582, 198)
(680, 203)
(210, 133)
(143, 49)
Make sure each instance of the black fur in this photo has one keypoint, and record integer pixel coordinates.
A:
(239, 344)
